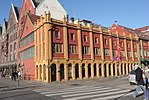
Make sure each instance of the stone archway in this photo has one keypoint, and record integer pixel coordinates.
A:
(122, 69)
(95, 72)
(36, 72)
(61, 72)
(76, 70)
(100, 70)
(114, 70)
(53, 72)
(109, 69)
(83, 70)
(89, 70)
(69, 71)
(105, 70)
(40, 68)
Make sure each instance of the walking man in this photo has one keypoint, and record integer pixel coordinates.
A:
(139, 80)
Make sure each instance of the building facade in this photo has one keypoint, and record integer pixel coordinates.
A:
(12, 32)
(28, 15)
(81, 50)
(4, 48)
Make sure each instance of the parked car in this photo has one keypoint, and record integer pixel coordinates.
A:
(132, 78)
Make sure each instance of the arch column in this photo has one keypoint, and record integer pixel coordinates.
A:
(116, 74)
(42, 73)
(112, 69)
(107, 70)
(86, 71)
(119, 65)
(127, 69)
(92, 71)
(123, 69)
(39, 73)
(80, 72)
(48, 76)
(102, 70)
(58, 72)
(73, 72)
(66, 72)
(97, 70)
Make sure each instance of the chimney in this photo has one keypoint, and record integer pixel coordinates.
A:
(72, 19)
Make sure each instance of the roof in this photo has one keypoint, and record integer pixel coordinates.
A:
(36, 2)
(17, 11)
(33, 17)
(143, 28)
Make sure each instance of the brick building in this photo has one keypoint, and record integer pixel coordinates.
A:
(81, 50)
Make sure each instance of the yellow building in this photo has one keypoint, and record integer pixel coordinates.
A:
(71, 50)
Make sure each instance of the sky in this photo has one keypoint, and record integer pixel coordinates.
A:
(129, 13)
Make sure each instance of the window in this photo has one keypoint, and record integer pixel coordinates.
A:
(15, 46)
(148, 53)
(122, 54)
(96, 40)
(114, 43)
(57, 48)
(72, 36)
(144, 53)
(73, 49)
(85, 50)
(114, 53)
(121, 44)
(106, 52)
(106, 42)
(57, 34)
(32, 37)
(128, 45)
(135, 54)
(10, 47)
(129, 54)
(97, 51)
(85, 38)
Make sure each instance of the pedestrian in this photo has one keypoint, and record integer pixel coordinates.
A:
(139, 80)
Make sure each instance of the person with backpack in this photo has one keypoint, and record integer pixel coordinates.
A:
(139, 80)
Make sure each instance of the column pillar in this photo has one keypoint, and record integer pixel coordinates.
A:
(58, 72)
(107, 70)
(65, 38)
(101, 46)
(102, 70)
(39, 73)
(86, 71)
(116, 65)
(112, 69)
(92, 70)
(125, 49)
(48, 76)
(80, 72)
(79, 41)
(73, 72)
(97, 70)
(91, 42)
(132, 51)
(127, 69)
(43, 75)
(66, 72)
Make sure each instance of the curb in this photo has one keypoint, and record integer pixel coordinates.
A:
(18, 88)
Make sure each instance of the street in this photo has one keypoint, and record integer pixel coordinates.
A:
(91, 89)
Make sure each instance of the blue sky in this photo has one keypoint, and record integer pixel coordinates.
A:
(129, 13)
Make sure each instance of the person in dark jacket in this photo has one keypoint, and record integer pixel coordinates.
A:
(139, 80)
